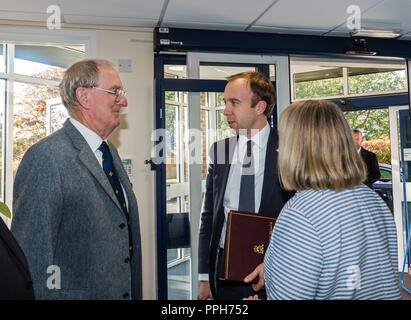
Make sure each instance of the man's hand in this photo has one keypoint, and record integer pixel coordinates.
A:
(258, 272)
(204, 292)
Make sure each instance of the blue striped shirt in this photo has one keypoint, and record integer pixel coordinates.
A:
(333, 245)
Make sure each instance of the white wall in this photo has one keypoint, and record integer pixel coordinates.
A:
(133, 137)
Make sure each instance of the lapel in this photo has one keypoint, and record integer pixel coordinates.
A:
(363, 153)
(222, 167)
(122, 174)
(268, 194)
(89, 160)
(222, 157)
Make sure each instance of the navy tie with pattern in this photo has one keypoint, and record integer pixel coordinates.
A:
(112, 176)
(247, 197)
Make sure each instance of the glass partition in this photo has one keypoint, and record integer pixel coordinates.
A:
(317, 77)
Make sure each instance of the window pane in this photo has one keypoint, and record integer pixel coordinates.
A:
(45, 62)
(205, 143)
(272, 72)
(367, 80)
(2, 108)
(2, 58)
(221, 72)
(319, 83)
(223, 130)
(385, 175)
(220, 99)
(29, 116)
(58, 114)
(178, 258)
(175, 71)
(315, 77)
(374, 124)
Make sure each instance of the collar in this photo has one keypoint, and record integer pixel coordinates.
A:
(260, 138)
(92, 138)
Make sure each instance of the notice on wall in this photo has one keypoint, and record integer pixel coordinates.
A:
(128, 166)
(407, 154)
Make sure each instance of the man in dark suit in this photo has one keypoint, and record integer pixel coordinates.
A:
(75, 212)
(370, 159)
(15, 279)
(250, 99)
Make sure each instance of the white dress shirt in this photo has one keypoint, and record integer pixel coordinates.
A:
(232, 191)
(94, 141)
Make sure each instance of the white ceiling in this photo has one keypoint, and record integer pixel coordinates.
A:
(321, 17)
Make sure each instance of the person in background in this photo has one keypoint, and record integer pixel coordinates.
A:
(370, 159)
(75, 213)
(249, 99)
(336, 238)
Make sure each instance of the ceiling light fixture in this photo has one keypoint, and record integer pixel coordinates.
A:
(375, 33)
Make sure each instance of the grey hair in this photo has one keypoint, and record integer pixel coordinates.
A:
(84, 73)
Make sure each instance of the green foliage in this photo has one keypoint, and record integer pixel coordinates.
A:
(373, 123)
(319, 88)
(377, 82)
(29, 119)
(4, 209)
(359, 84)
(381, 147)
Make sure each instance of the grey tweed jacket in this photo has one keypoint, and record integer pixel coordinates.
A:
(67, 215)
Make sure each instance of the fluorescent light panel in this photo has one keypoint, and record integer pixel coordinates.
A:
(375, 33)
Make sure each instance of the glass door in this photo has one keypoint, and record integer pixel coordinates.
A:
(191, 99)
(186, 149)
(400, 135)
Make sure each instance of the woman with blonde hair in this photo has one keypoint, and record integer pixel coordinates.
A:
(336, 238)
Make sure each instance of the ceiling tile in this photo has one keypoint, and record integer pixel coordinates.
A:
(110, 21)
(143, 13)
(236, 14)
(141, 9)
(311, 15)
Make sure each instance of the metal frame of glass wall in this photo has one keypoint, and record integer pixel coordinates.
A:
(224, 42)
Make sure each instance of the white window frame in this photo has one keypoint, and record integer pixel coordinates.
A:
(345, 63)
(29, 36)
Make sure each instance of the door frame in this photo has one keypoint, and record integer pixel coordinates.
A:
(194, 60)
(397, 186)
(194, 85)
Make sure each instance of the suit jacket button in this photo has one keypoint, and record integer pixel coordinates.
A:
(126, 295)
(122, 225)
(127, 260)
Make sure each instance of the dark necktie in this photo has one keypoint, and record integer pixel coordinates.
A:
(247, 197)
(112, 176)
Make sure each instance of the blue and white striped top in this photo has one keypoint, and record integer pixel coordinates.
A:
(333, 245)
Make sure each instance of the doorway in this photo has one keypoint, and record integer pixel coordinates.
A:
(190, 105)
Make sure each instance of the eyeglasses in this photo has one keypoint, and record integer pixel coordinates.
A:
(119, 93)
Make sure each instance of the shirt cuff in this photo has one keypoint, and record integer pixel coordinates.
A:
(203, 277)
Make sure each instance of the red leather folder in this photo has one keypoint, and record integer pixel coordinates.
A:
(247, 238)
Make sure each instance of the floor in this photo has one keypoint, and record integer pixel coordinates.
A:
(407, 284)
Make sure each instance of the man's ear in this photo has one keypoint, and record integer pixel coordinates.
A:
(261, 106)
(82, 96)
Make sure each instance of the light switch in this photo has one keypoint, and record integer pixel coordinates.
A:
(124, 65)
